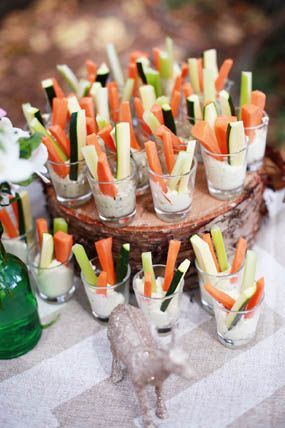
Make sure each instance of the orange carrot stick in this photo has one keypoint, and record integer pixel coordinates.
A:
(258, 98)
(147, 284)
(168, 151)
(221, 127)
(187, 89)
(137, 54)
(114, 101)
(42, 227)
(251, 116)
(203, 132)
(104, 251)
(221, 297)
(239, 255)
(57, 89)
(92, 140)
(223, 74)
(173, 250)
(107, 138)
(256, 298)
(184, 70)
(102, 282)
(157, 111)
(154, 163)
(9, 227)
(133, 74)
(86, 103)
(175, 103)
(126, 116)
(177, 84)
(63, 141)
(59, 111)
(91, 69)
(105, 177)
(62, 246)
(91, 126)
(156, 57)
(176, 143)
(207, 238)
(61, 170)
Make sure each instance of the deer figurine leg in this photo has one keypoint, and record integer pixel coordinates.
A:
(161, 410)
(117, 372)
(142, 399)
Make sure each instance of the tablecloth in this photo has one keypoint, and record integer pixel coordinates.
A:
(64, 381)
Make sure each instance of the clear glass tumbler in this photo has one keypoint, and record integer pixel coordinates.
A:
(257, 136)
(20, 245)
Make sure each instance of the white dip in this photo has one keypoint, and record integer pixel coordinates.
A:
(102, 305)
(151, 307)
(256, 148)
(223, 176)
(172, 201)
(54, 281)
(124, 203)
(232, 288)
(141, 164)
(67, 188)
(17, 247)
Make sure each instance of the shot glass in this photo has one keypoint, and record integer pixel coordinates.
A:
(20, 245)
(257, 143)
(228, 282)
(54, 284)
(172, 195)
(225, 173)
(236, 328)
(120, 210)
(70, 182)
(104, 299)
(161, 311)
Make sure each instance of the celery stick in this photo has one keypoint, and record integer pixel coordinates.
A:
(147, 267)
(248, 277)
(91, 159)
(245, 88)
(47, 247)
(220, 247)
(194, 74)
(209, 85)
(153, 78)
(165, 66)
(203, 255)
(128, 90)
(84, 263)
(115, 64)
(147, 95)
(26, 206)
(170, 52)
(151, 120)
(210, 61)
(59, 224)
(69, 76)
(123, 145)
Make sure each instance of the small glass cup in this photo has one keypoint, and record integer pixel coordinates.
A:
(257, 143)
(104, 299)
(70, 192)
(164, 321)
(229, 282)
(225, 179)
(241, 330)
(121, 210)
(20, 245)
(54, 284)
(173, 206)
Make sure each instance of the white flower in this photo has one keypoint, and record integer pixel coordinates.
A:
(12, 167)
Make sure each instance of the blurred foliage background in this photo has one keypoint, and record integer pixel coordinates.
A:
(35, 35)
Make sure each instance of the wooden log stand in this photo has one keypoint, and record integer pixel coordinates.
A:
(238, 217)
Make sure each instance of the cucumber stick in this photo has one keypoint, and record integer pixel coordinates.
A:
(59, 224)
(123, 262)
(91, 159)
(175, 283)
(194, 74)
(245, 88)
(128, 90)
(203, 255)
(209, 85)
(168, 118)
(233, 317)
(142, 63)
(84, 264)
(236, 143)
(26, 206)
(77, 141)
(170, 52)
(123, 145)
(69, 76)
(47, 247)
(165, 66)
(21, 217)
(151, 120)
(219, 245)
(210, 61)
(162, 100)
(153, 79)
(248, 278)
(102, 74)
(73, 104)
(47, 85)
(181, 164)
(183, 185)
(36, 126)
(227, 105)
(194, 110)
(83, 88)
(30, 113)
(147, 267)
(94, 91)
(102, 103)
(115, 64)
(210, 113)
(147, 95)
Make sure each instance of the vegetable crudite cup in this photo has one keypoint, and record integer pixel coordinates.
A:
(217, 264)
(172, 190)
(106, 285)
(113, 179)
(51, 265)
(159, 288)
(19, 235)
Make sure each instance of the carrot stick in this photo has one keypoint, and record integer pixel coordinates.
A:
(133, 74)
(157, 111)
(61, 170)
(42, 227)
(91, 126)
(223, 74)
(137, 54)
(58, 133)
(57, 89)
(173, 250)
(175, 103)
(168, 151)
(91, 69)
(8, 225)
(107, 138)
(207, 238)
(251, 116)
(105, 177)
(177, 85)
(176, 143)
(200, 73)
(187, 89)
(156, 57)
(154, 163)
(15, 211)
(114, 101)
(184, 70)
(203, 132)
(239, 255)
(256, 298)
(221, 127)
(62, 246)
(126, 116)
(59, 111)
(220, 296)
(86, 103)
(104, 251)
(102, 282)
(147, 284)
(92, 140)
(258, 98)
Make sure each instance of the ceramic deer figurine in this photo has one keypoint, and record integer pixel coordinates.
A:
(133, 345)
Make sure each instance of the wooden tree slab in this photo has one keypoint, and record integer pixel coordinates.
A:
(238, 217)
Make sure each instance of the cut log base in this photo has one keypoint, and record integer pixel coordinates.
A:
(238, 217)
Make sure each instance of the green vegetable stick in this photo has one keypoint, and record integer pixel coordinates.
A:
(248, 277)
(84, 263)
(219, 247)
(147, 267)
(245, 87)
(59, 224)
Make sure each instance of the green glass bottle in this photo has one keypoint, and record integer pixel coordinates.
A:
(20, 327)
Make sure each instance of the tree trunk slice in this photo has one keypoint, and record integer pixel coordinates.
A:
(238, 217)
